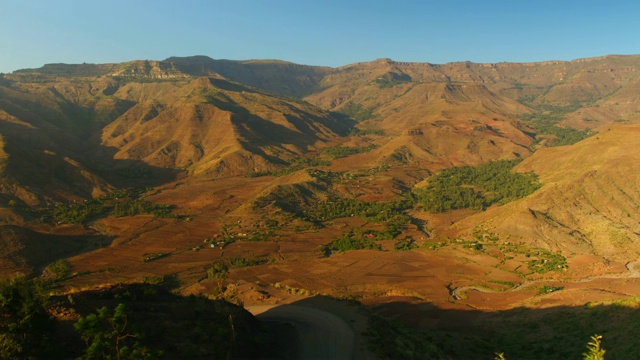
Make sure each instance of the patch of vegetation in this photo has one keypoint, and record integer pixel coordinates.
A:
(405, 244)
(481, 234)
(391, 79)
(547, 261)
(435, 245)
(256, 234)
(154, 256)
(507, 284)
(129, 207)
(259, 236)
(218, 272)
(474, 245)
(154, 280)
(117, 204)
(393, 227)
(294, 290)
(565, 136)
(70, 213)
(357, 112)
(546, 124)
(354, 239)
(138, 321)
(547, 289)
(294, 165)
(340, 151)
(59, 269)
(536, 260)
(476, 187)
(336, 208)
(317, 212)
(367, 131)
(236, 263)
(109, 335)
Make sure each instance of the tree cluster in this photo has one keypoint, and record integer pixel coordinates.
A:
(75, 212)
(546, 124)
(336, 208)
(355, 239)
(341, 151)
(476, 187)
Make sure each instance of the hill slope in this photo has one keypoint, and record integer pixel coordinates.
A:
(589, 201)
(66, 137)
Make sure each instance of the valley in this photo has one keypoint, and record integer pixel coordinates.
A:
(458, 199)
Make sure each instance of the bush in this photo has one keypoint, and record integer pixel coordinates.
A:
(59, 269)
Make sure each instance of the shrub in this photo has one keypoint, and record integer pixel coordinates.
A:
(59, 269)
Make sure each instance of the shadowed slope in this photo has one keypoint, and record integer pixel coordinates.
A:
(273, 75)
(26, 251)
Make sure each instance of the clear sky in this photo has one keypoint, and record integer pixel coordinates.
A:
(314, 32)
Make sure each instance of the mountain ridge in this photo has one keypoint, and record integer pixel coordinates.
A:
(264, 140)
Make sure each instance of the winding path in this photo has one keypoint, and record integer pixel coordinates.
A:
(631, 266)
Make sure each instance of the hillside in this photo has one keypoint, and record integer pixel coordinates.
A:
(588, 203)
(64, 138)
(26, 251)
(418, 189)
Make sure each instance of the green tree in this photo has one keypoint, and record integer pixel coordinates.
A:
(218, 272)
(25, 324)
(60, 269)
(109, 336)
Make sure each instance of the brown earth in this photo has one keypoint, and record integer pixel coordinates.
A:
(191, 130)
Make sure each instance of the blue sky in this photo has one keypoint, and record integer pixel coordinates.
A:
(314, 32)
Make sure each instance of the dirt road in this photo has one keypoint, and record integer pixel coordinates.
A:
(321, 334)
(631, 266)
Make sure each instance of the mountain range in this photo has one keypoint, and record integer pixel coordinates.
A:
(244, 144)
